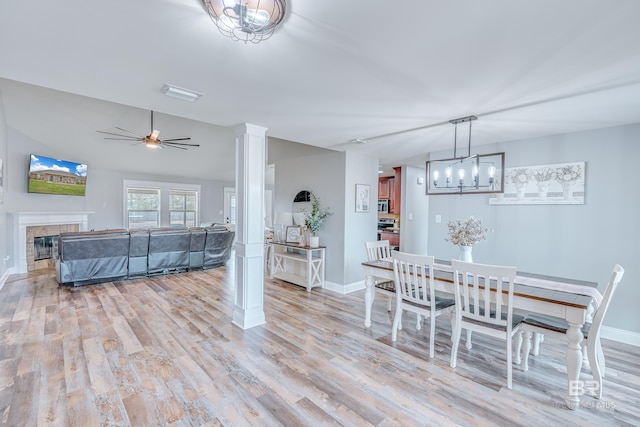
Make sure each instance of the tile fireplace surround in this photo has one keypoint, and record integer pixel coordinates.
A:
(28, 225)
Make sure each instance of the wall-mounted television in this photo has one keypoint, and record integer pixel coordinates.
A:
(55, 176)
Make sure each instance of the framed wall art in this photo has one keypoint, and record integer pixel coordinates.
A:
(363, 197)
(555, 184)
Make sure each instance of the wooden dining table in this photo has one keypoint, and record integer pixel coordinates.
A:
(532, 293)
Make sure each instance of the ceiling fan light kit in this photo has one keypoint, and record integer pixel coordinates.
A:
(152, 140)
(480, 173)
(250, 21)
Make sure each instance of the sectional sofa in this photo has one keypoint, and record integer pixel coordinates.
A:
(90, 257)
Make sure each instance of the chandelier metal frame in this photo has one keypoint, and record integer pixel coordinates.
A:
(249, 21)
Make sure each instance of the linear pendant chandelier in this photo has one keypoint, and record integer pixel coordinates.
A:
(481, 173)
(250, 20)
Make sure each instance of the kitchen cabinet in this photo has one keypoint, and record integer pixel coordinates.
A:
(392, 195)
(383, 188)
(393, 238)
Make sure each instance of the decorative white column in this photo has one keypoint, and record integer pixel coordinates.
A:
(250, 169)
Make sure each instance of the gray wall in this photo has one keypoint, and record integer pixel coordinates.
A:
(6, 239)
(414, 211)
(322, 175)
(104, 188)
(576, 241)
(332, 177)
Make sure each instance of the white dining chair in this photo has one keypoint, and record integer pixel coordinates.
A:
(377, 250)
(415, 292)
(484, 304)
(541, 324)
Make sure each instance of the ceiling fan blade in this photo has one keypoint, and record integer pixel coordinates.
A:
(180, 143)
(171, 146)
(176, 139)
(114, 134)
(128, 131)
(123, 139)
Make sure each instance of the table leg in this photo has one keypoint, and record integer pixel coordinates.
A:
(369, 296)
(574, 365)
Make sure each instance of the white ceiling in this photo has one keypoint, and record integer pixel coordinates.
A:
(333, 71)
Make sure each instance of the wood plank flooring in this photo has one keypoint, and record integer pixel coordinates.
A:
(162, 351)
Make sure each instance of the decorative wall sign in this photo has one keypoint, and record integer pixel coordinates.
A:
(557, 184)
(293, 234)
(363, 201)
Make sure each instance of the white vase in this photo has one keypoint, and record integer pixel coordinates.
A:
(567, 188)
(465, 253)
(314, 241)
(543, 189)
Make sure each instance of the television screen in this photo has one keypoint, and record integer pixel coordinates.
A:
(55, 176)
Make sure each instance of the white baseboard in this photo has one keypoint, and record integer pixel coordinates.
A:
(620, 335)
(344, 289)
(5, 276)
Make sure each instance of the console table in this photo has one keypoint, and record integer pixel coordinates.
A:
(297, 264)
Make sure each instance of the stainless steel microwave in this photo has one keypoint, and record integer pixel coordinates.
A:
(383, 206)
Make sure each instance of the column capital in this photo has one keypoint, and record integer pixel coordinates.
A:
(248, 128)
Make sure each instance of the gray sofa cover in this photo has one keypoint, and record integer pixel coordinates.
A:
(217, 248)
(196, 248)
(138, 252)
(89, 257)
(168, 250)
(92, 257)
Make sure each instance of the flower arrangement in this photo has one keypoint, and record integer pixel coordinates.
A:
(520, 176)
(314, 219)
(569, 173)
(543, 174)
(467, 232)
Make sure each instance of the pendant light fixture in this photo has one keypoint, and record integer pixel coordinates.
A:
(481, 173)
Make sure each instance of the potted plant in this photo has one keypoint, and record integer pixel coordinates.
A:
(314, 220)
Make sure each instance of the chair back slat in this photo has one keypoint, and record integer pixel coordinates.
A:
(616, 277)
(479, 290)
(378, 250)
(414, 278)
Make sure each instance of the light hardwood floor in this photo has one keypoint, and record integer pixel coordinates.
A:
(162, 351)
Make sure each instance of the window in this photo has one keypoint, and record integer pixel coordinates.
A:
(143, 207)
(150, 204)
(183, 207)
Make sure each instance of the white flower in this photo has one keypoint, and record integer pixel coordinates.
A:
(466, 233)
(566, 174)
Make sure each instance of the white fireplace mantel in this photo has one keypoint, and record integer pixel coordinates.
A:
(22, 220)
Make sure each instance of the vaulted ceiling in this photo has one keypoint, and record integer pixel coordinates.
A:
(392, 73)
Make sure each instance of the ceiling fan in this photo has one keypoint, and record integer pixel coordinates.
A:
(151, 140)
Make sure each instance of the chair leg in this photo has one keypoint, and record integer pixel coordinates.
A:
(537, 339)
(600, 358)
(396, 322)
(469, 339)
(389, 303)
(453, 324)
(518, 359)
(526, 350)
(509, 363)
(592, 352)
(418, 322)
(456, 341)
(432, 334)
